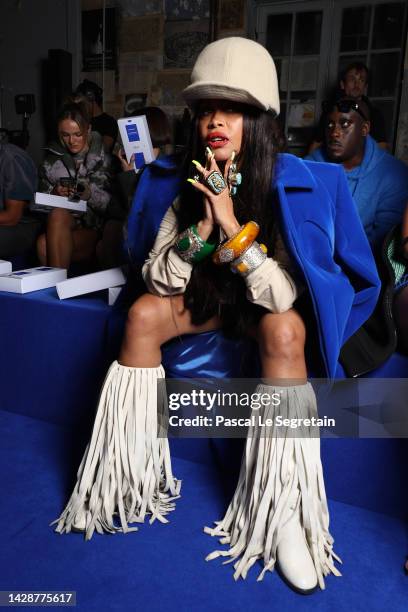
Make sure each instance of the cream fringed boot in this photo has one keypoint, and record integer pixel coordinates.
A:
(126, 467)
(279, 509)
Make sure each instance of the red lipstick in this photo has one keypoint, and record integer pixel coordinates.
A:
(215, 140)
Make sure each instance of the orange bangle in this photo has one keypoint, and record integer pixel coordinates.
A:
(237, 244)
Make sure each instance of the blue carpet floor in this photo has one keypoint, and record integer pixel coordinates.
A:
(162, 567)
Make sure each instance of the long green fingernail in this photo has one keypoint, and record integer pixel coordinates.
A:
(209, 152)
(191, 181)
(196, 163)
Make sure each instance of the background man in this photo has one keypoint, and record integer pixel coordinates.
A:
(378, 182)
(354, 84)
(101, 122)
(18, 182)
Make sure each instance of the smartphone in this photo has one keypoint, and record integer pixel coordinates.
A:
(67, 181)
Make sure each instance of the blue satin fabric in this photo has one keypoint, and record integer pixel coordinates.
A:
(211, 355)
(206, 355)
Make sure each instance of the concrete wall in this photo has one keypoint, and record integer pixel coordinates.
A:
(28, 28)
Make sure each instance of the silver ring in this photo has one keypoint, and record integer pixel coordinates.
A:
(215, 182)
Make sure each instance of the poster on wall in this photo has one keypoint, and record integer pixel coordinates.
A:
(183, 41)
(143, 61)
(171, 84)
(232, 14)
(131, 79)
(302, 115)
(141, 34)
(187, 9)
(92, 40)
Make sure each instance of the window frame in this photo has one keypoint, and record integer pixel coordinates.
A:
(330, 54)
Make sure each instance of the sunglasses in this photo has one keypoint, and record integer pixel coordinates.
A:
(344, 106)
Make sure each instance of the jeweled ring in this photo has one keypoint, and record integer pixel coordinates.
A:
(215, 182)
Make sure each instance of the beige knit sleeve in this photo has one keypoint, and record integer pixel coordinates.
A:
(272, 285)
(164, 272)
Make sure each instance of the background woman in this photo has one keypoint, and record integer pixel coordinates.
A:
(207, 271)
(74, 165)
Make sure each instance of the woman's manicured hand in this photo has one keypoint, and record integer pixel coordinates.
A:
(219, 208)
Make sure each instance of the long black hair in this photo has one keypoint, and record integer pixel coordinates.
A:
(215, 289)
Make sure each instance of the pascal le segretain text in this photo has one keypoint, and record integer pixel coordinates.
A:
(252, 421)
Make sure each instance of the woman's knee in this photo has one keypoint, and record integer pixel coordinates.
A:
(282, 335)
(145, 316)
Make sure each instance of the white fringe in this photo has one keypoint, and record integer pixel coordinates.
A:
(280, 475)
(126, 468)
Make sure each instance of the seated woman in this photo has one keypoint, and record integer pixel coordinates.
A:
(207, 271)
(75, 164)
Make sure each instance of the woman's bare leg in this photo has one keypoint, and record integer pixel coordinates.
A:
(65, 242)
(59, 238)
(152, 321)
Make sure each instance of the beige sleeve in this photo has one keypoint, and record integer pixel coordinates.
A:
(272, 284)
(164, 272)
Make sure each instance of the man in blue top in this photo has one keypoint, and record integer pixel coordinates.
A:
(378, 182)
(18, 182)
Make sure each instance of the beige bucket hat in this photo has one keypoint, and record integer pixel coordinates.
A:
(235, 69)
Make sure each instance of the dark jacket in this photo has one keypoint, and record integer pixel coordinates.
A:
(94, 172)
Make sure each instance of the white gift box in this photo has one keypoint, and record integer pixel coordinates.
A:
(44, 202)
(5, 267)
(136, 140)
(113, 294)
(88, 283)
(31, 279)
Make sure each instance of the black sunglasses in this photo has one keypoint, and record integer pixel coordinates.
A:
(343, 106)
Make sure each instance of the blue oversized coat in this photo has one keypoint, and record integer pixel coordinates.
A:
(322, 232)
